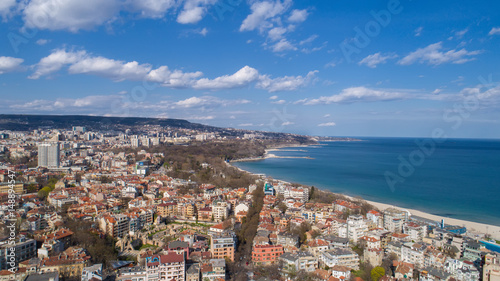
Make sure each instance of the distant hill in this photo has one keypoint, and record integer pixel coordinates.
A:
(24, 122)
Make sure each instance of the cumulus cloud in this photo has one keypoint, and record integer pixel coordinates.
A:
(262, 11)
(75, 15)
(273, 97)
(494, 31)
(298, 16)
(194, 11)
(241, 78)
(274, 21)
(6, 8)
(114, 69)
(151, 8)
(82, 62)
(283, 45)
(328, 124)
(286, 83)
(72, 15)
(10, 64)
(357, 94)
(435, 55)
(207, 101)
(373, 60)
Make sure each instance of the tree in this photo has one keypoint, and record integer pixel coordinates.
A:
(311, 193)
(377, 273)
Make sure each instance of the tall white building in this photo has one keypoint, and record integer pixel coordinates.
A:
(48, 155)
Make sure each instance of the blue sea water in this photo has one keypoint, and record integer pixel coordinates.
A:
(459, 178)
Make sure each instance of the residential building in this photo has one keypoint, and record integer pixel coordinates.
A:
(92, 273)
(266, 254)
(356, 227)
(223, 246)
(49, 155)
(135, 273)
(24, 249)
(165, 267)
(299, 261)
(394, 219)
(340, 256)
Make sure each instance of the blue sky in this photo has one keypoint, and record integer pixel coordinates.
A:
(339, 68)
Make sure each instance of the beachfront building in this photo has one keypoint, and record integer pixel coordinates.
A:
(415, 231)
(394, 219)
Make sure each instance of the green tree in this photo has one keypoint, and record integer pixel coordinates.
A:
(377, 273)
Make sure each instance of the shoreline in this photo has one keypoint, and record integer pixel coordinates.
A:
(474, 229)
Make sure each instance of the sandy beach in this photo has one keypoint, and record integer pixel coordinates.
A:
(473, 228)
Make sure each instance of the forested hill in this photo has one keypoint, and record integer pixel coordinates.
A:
(24, 122)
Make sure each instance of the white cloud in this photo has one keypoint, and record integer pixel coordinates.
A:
(261, 12)
(328, 124)
(273, 97)
(10, 64)
(67, 104)
(194, 11)
(373, 60)
(42, 42)
(298, 16)
(418, 31)
(330, 64)
(326, 115)
(279, 102)
(114, 69)
(173, 79)
(276, 33)
(459, 34)
(357, 94)
(210, 117)
(286, 83)
(245, 125)
(437, 91)
(494, 31)
(6, 8)
(287, 123)
(55, 61)
(81, 62)
(75, 15)
(203, 31)
(434, 55)
(241, 78)
(308, 39)
(269, 18)
(72, 15)
(203, 101)
(283, 45)
(151, 8)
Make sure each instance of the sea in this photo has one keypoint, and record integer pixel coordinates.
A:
(456, 178)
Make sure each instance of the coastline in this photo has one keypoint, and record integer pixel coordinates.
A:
(474, 229)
